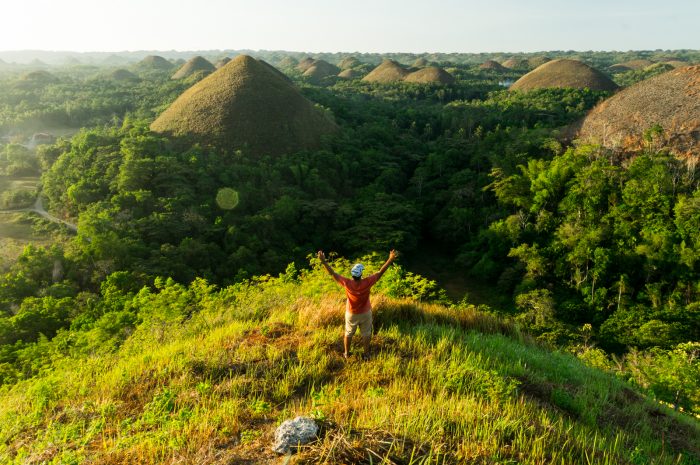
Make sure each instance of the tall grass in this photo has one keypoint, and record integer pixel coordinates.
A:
(446, 385)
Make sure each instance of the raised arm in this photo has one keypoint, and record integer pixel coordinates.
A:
(322, 257)
(392, 256)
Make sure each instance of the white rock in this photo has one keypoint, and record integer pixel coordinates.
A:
(291, 433)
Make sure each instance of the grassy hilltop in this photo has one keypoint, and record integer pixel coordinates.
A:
(207, 374)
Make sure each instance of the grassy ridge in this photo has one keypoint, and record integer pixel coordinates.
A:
(207, 374)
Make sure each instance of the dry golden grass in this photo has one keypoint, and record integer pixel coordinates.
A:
(671, 100)
(349, 62)
(492, 65)
(445, 385)
(430, 75)
(564, 73)
(420, 63)
(196, 64)
(154, 62)
(320, 70)
(246, 105)
(349, 74)
(515, 63)
(388, 71)
(305, 64)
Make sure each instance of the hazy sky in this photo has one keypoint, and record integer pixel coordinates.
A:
(354, 25)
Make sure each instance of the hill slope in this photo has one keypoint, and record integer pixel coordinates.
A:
(320, 70)
(205, 376)
(196, 64)
(492, 65)
(671, 100)
(430, 75)
(247, 104)
(154, 62)
(564, 73)
(387, 71)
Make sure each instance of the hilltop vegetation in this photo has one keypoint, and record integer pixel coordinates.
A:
(201, 374)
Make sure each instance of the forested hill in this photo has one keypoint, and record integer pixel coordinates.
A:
(200, 374)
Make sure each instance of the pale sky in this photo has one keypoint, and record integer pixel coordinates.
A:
(354, 25)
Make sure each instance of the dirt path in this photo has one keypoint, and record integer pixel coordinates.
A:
(38, 208)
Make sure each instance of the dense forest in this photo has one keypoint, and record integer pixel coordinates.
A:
(590, 250)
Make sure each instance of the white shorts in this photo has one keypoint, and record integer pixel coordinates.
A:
(363, 320)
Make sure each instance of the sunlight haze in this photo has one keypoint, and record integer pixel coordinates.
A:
(362, 25)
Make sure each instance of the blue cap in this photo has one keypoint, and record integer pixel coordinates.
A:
(357, 270)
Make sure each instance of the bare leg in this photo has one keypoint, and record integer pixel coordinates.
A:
(365, 343)
(347, 340)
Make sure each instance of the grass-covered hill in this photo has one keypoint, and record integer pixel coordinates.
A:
(564, 73)
(247, 105)
(175, 374)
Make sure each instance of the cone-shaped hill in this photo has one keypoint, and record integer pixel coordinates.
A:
(305, 64)
(430, 75)
(287, 62)
(420, 63)
(194, 65)
(122, 74)
(388, 71)
(671, 100)
(36, 79)
(515, 63)
(246, 105)
(319, 70)
(154, 62)
(349, 62)
(222, 62)
(564, 73)
(492, 65)
(349, 74)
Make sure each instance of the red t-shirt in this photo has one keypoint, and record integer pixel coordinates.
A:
(357, 292)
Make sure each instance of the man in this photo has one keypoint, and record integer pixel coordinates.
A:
(358, 310)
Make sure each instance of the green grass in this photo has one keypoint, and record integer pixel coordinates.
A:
(445, 386)
(21, 183)
(16, 231)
